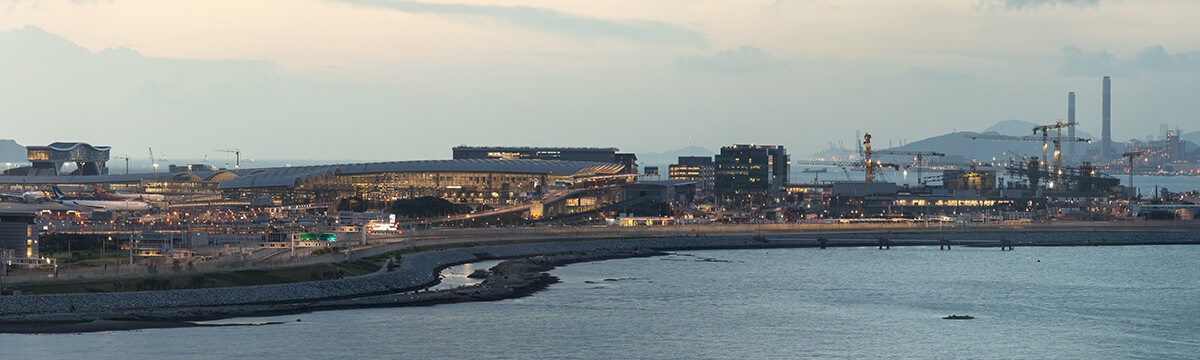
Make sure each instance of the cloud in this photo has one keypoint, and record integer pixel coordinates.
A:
(742, 60)
(1154, 59)
(551, 21)
(1036, 4)
(943, 75)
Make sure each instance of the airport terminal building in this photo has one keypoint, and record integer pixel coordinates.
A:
(490, 181)
(487, 181)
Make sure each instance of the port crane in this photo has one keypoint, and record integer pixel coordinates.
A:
(1046, 140)
(152, 163)
(237, 157)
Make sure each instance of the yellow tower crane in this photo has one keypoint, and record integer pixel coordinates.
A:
(1045, 139)
(1130, 155)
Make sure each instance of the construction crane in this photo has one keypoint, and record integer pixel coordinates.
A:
(848, 164)
(867, 165)
(816, 174)
(1130, 155)
(1045, 129)
(126, 157)
(238, 157)
(920, 158)
(1045, 139)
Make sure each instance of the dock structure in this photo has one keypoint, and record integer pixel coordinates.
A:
(1006, 244)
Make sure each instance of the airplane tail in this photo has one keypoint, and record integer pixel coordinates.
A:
(58, 194)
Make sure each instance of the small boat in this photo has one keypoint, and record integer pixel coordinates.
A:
(959, 317)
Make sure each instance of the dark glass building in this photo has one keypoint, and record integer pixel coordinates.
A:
(748, 175)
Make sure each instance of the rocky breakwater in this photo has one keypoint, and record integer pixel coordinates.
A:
(512, 278)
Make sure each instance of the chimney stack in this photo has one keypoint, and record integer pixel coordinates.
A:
(1071, 120)
(1106, 150)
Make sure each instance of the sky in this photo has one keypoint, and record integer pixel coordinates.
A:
(409, 80)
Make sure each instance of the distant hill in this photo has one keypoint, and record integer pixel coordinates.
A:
(959, 148)
(1011, 127)
(1022, 127)
(663, 159)
(11, 151)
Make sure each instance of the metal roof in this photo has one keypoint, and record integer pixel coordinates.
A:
(68, 146)
(297, 175)
(111, 178)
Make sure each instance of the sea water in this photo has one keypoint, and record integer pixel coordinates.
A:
(1030, 303)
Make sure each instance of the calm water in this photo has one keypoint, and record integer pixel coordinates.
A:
(1031, 303)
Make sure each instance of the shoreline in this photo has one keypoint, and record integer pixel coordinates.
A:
(523, 273)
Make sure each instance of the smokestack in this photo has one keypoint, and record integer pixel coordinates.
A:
(1071, 120)
(1106, 150)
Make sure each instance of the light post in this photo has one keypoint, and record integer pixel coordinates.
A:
(4, 272)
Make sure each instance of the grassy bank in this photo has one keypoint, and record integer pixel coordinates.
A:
(213, 280)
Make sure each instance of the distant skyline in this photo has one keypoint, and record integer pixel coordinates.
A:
(403, 80)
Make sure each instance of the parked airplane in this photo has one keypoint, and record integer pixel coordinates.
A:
(125, 196)
(119, 205)
(25, 197)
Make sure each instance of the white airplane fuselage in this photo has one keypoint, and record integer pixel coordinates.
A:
(119, 205)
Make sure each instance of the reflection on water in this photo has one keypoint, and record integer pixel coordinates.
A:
(456, 276)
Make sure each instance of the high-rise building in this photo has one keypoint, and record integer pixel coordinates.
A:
(1106, 149)
(695, 168)
(750, 174)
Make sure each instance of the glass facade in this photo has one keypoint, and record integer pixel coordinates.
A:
(459, 187)
(750, 174)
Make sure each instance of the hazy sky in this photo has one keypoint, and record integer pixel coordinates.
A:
(395, 80)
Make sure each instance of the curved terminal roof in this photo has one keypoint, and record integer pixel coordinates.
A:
(122, 178)
(68, 146)
(299, 175)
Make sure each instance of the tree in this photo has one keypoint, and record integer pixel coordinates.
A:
(354, 203)
(425, 206)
